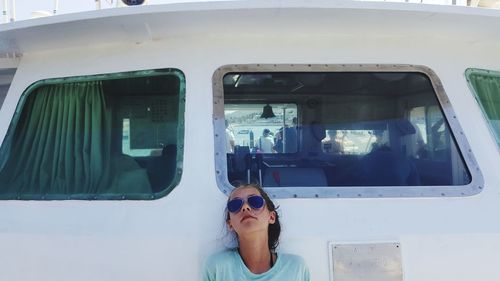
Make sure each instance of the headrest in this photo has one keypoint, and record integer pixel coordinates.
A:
(404, 127)
(318, 130)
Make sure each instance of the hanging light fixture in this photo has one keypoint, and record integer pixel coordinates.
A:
(267, 112)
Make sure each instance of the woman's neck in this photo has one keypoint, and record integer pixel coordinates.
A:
(255, 254)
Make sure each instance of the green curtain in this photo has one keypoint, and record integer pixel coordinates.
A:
(487, 90)
(63, 145)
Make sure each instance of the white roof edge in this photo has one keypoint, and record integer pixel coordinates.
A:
(242, 5)
(120, 25)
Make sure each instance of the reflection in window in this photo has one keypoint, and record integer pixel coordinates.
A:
(349, 129)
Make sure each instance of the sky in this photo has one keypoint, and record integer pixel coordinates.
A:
(24, 8)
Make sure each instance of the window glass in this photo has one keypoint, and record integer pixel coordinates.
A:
(486, 88)
(355, 142)
(248, 127)
(418, 118)
(114, 136)
(351, 129)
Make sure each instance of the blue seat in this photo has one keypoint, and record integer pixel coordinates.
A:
(388, 165)
(385, 167)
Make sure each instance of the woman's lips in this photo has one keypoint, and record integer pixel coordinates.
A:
(247, 217)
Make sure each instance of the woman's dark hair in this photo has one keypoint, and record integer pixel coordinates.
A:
(274, 230)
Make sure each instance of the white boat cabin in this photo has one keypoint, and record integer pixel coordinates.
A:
(373, 126)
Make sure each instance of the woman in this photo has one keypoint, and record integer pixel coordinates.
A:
(252, 216)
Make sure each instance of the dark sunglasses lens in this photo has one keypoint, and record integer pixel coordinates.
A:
(234, 205)
(255, 202)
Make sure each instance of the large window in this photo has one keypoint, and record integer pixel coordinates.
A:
(355, 133)
(114, 136)
(485, 85)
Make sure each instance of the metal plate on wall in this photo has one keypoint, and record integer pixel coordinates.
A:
(361, 262)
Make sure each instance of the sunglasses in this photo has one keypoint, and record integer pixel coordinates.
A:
(254, 201)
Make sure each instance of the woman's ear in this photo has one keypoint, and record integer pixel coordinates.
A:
(229, 226)
(272, 217)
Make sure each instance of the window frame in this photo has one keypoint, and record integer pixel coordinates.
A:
(221, 172)
(91, 78)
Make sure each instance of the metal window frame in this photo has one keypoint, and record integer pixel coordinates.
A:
(101, 77)
(474, 187)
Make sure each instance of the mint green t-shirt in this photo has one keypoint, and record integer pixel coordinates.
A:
(228, 266)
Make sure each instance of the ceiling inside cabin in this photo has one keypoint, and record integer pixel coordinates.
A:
(239, 85)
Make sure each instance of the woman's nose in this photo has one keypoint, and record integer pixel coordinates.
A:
(245, 207)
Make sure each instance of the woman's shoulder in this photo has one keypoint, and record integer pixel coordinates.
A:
(291, 258)
(218, 265)
(294, 266)
(220, 257)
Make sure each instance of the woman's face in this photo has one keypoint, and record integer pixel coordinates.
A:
(247, 220)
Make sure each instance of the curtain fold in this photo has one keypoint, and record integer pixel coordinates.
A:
(62, 145)
(488, 92)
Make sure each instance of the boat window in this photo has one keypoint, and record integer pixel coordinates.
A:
(348, 130)
(485, 85)
(113, 136)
